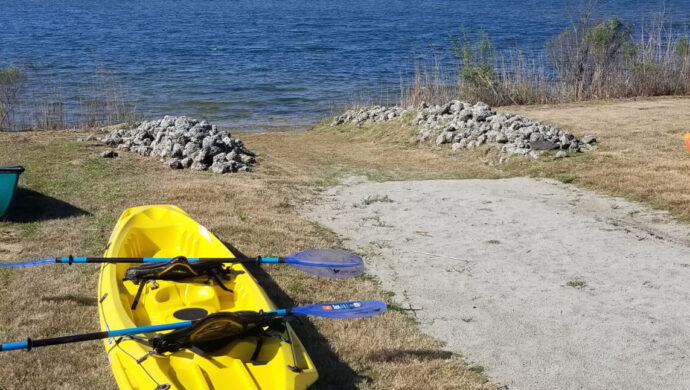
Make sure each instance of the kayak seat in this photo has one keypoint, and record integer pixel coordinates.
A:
(215, 331)
(161, 304)
(178, 269)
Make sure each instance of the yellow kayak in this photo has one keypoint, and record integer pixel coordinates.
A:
(252, 362)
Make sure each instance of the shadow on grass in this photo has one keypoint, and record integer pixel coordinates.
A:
(333, 372)
(32, 206)
(391, 355)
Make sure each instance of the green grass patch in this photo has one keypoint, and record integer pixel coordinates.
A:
(579, 284)
(375, 221)
(297, 287)
(376, 199)
(395, 307)
(29, 229)
(6, 275)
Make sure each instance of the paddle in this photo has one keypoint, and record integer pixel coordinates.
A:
(352, 309)
(329, 263)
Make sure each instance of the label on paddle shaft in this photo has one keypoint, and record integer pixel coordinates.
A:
(343, 306)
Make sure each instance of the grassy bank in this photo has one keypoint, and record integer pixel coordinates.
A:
(640, 155)
(71, 198)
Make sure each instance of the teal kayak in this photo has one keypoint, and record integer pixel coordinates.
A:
(9, 176)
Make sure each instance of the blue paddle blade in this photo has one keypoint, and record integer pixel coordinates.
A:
(328, 263)
(49, 260)
(353, 309)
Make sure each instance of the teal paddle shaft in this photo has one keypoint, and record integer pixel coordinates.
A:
(351, 309)
(29, 343)
(136, 260)
(330, 263)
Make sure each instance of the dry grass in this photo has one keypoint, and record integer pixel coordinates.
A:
(641, 156)
(253, 212)
(641, 153)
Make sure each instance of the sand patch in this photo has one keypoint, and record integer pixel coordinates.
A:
(542, 284)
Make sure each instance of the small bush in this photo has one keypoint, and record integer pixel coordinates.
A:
(592, 59)
(11, 81)
(499, 78)
(477, 68)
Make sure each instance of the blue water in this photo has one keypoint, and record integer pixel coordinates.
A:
(263, 63)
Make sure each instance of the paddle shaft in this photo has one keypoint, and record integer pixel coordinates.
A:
(29, 343)
(354, 309)
(135, 260)
(330, 263)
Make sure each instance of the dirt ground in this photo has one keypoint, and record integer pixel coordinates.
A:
(545, 285)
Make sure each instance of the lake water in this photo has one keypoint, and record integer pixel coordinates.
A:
(261, 64)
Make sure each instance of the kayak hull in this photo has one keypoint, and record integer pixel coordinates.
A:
(9, 176)
(248, 363)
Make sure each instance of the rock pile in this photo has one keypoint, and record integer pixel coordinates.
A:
(369, 114)
(466, 126)
(183, 142)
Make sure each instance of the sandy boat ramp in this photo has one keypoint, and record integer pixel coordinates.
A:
(544, 285)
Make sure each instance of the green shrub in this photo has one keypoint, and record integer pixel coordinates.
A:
(477, 59)
(682, 47)
(609, 42)
(11, 81)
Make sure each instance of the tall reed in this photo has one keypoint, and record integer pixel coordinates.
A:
(592, 59)
(49, 111)
(432, 84)
(102, 101)
(30, 101)
(11, 83)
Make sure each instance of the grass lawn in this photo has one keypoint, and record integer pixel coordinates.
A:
(70, 198)
(69, 201)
